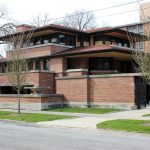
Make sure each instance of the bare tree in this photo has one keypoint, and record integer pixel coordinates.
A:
(5, 26)
(17, 61)
(40, 19)
(82, 20)
(142, 58)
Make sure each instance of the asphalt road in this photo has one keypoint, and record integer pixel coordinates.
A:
(24, 137)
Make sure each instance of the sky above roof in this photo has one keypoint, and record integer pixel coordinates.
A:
(23, 11)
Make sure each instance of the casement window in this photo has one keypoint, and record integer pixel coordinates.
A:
(30, 65)
(45, 64)
(46, 39)
(71, 40)
(99, 38)
(54, 38)
(37, 65)
(62, 39)
(100, 63)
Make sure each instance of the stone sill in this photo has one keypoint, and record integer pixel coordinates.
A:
(43, 45)
(32, 71)
(31, 95)
(101, 76)
(77, 70)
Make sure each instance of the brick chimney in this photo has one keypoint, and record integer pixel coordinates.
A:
(23, 27)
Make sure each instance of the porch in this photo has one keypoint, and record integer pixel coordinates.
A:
(99, 63)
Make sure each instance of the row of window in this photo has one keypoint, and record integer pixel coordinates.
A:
(112, 40)
(57, 38)
(31, 65)
(136, 29)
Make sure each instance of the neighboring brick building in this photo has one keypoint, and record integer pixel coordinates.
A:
(74, 67)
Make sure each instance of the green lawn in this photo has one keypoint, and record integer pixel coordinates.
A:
(26, 117)
(84, 110)
(140, 126)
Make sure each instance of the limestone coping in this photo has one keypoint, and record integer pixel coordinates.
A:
(48, 44)
(100, 76)
(77, 70)
(30, 95)
(32, 71)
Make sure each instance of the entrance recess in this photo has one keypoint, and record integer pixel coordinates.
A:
(140, 92)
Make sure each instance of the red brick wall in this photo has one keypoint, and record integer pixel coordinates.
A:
(117, 89)
(50, 99)
(73, 89)
(58, 65)
(112, 89)
(47, 79)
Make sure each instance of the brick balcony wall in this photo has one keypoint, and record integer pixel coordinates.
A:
(119, 90)
(41, 50)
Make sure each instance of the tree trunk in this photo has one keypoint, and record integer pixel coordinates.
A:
(18, 100)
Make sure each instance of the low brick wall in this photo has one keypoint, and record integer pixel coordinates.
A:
(103, 90)
(31, 102)
(35, 78)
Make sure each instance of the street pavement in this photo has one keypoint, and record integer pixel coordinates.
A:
(29, 137)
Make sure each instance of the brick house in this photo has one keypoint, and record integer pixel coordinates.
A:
(76, 68)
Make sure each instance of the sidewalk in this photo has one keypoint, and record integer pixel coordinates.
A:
(90, 120)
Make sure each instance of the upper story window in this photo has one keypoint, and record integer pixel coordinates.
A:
(32, 42)
(37, 65)
(30, 65)
(46, 39)
(54, 38)
(100, 63)
(45, 64)
(39, 41)
(62, 39)
(99, 38)
(71, 40)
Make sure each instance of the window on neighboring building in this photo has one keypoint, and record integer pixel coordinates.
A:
(45, 64)
(141, 29)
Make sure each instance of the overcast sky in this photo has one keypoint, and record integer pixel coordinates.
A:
(21, 11)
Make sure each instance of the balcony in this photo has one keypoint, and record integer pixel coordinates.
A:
(42, 50)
